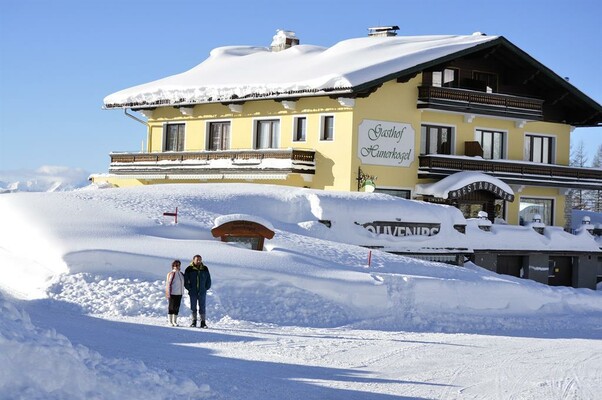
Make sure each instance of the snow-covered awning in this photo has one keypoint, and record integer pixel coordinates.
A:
(462, 183)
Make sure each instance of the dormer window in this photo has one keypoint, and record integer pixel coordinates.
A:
(447, 77)
(486, 81)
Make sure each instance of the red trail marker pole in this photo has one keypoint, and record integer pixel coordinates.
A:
(170, 214)
(369, 257)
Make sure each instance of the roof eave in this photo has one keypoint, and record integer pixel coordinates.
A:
(596, 117)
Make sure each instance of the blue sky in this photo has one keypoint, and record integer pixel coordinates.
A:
(59, 59)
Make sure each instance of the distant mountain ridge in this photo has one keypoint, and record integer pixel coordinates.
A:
(43, 179)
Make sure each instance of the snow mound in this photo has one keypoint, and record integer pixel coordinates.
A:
(47, 366)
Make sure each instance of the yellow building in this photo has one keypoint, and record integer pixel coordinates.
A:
(407, 116)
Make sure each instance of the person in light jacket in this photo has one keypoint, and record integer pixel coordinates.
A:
(197, 281)
(174, 289)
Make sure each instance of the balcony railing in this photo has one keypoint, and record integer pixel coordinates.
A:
(512, 172)
(220, 164)
(470, 101)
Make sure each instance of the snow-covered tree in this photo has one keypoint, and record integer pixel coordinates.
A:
(578, 158)
(596, 197)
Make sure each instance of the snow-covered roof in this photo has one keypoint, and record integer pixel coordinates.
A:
(235, 72)
(224, 219)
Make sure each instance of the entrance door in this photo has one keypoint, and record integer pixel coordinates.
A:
(509, 265)
(471, 209)
(561, 271)
(480, 200)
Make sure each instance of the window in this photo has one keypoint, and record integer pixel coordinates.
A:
(539, 149)
(492, 143)
(488, 80)
(174, 137)
(499, 207)
(267, 134)
(327, 128)
(470, 209)
(446, 78)
(529, 207)
(404, 194)
(219, 135)
(299, 129)
(435, 139)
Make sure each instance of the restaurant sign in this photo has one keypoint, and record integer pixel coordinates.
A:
(398, 228)
(481, 185)
(386, 143)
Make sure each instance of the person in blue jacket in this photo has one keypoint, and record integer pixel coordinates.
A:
(197, 280)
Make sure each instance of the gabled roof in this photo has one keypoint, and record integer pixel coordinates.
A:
(349, 68)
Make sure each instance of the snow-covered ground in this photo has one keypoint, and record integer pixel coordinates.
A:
(83, 307)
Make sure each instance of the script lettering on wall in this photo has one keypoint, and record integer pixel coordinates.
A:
(386, 143)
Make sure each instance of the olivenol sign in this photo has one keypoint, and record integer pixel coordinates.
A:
(386, 143)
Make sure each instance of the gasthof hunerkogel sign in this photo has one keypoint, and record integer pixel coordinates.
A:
(386, 143)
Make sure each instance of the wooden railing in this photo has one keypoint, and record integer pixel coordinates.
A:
(195, 162)
(513, 171)
(479, 102)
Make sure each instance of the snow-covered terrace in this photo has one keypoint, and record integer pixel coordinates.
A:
(511, 171)
(215, 164)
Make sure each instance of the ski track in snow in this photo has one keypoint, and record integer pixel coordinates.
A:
(242, 360)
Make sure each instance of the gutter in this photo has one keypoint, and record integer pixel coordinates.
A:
(125, 110)
(145, 123)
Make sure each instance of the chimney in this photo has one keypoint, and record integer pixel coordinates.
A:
(383, 31)
(282, 40)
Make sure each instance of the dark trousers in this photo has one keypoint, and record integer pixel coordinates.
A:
(174, 304)
(197, 298)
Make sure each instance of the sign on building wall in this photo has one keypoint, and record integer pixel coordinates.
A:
(398, 228)
(481, 185)
(386, 143)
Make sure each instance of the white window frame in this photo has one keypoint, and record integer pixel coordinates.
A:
(502, 131)
(294, 138)
(164, 138)
(208, 132)
(278, 139)
(554, 202)
(321, 131)
(554, 145)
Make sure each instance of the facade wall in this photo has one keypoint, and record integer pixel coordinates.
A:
(337, 161)
(392, 102)
(585, 271)
(539, 268)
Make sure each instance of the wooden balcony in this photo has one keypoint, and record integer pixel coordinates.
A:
(220, 164)
(512, 172)
(471, 101)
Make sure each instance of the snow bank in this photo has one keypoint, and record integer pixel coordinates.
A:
(108, 252)
(41, 364)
